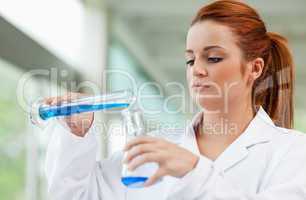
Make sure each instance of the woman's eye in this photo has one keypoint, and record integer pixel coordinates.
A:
(214, 59)
(190, 62)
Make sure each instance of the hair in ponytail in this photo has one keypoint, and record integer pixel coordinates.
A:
(273, 90)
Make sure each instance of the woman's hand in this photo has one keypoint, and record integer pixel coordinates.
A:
(79, 124)
(172, 159)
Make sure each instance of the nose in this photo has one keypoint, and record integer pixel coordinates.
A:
(199, 69)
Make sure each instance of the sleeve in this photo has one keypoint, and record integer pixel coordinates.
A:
(72, 170)
(288, 181)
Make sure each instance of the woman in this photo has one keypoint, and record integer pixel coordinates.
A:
(238, 73)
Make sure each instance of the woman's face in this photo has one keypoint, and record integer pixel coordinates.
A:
(214, 62)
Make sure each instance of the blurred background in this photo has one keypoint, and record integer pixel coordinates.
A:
(78, 40)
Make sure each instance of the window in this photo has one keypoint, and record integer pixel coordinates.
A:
(125, 73)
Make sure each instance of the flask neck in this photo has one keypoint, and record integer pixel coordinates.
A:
(133, 123)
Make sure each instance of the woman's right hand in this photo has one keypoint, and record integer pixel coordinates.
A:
(78, 124)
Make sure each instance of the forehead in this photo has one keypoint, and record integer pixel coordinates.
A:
(209, 33)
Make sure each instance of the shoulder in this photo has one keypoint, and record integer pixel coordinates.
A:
(289, 141)
(289, 135)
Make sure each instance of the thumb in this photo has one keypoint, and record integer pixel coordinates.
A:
(153, 179)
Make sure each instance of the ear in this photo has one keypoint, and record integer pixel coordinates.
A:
(255, 69)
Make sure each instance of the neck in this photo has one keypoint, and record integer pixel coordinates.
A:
(228, 125)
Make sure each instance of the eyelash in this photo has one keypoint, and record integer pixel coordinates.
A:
(214, 59)
(209, 60)
(189, 62)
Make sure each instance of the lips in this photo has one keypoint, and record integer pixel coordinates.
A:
(201, 85)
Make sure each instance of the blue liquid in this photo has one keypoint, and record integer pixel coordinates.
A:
(133, 181)
(56, 111)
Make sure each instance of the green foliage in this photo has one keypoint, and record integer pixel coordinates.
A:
(12, 177)
(12, 124)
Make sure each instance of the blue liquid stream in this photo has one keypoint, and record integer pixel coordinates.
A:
(57, 111)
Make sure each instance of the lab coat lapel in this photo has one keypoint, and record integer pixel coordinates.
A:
(231, 156)
(258, 131)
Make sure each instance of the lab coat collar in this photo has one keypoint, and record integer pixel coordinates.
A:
(258, 131)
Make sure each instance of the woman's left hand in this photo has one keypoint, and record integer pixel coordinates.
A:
(172, 159)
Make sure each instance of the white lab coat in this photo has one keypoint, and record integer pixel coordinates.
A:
(264, 163)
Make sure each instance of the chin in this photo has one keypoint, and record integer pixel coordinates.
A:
(210, 105)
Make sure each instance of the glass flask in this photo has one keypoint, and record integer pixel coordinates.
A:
(134, 126)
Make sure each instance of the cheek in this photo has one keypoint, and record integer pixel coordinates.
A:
(234, 84)
(229, 78)
(228, 73)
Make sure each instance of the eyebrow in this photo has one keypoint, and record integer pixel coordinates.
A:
(206, 48)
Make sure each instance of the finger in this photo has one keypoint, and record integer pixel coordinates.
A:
(51, 100)
(139, 140)
(60, 99)
(68, 97)
(138, 150)
(142, 159)
(48, 100)
(55, 101)
(153, 179)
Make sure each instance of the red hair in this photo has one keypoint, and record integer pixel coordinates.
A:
(273, 90)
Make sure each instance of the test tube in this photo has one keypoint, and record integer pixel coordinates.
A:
(118, 100)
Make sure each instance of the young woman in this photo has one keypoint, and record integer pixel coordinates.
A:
(238, 72)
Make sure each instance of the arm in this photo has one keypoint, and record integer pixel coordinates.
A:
(202, 181)
(72, 170)
(71, 165)
(287, 181)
